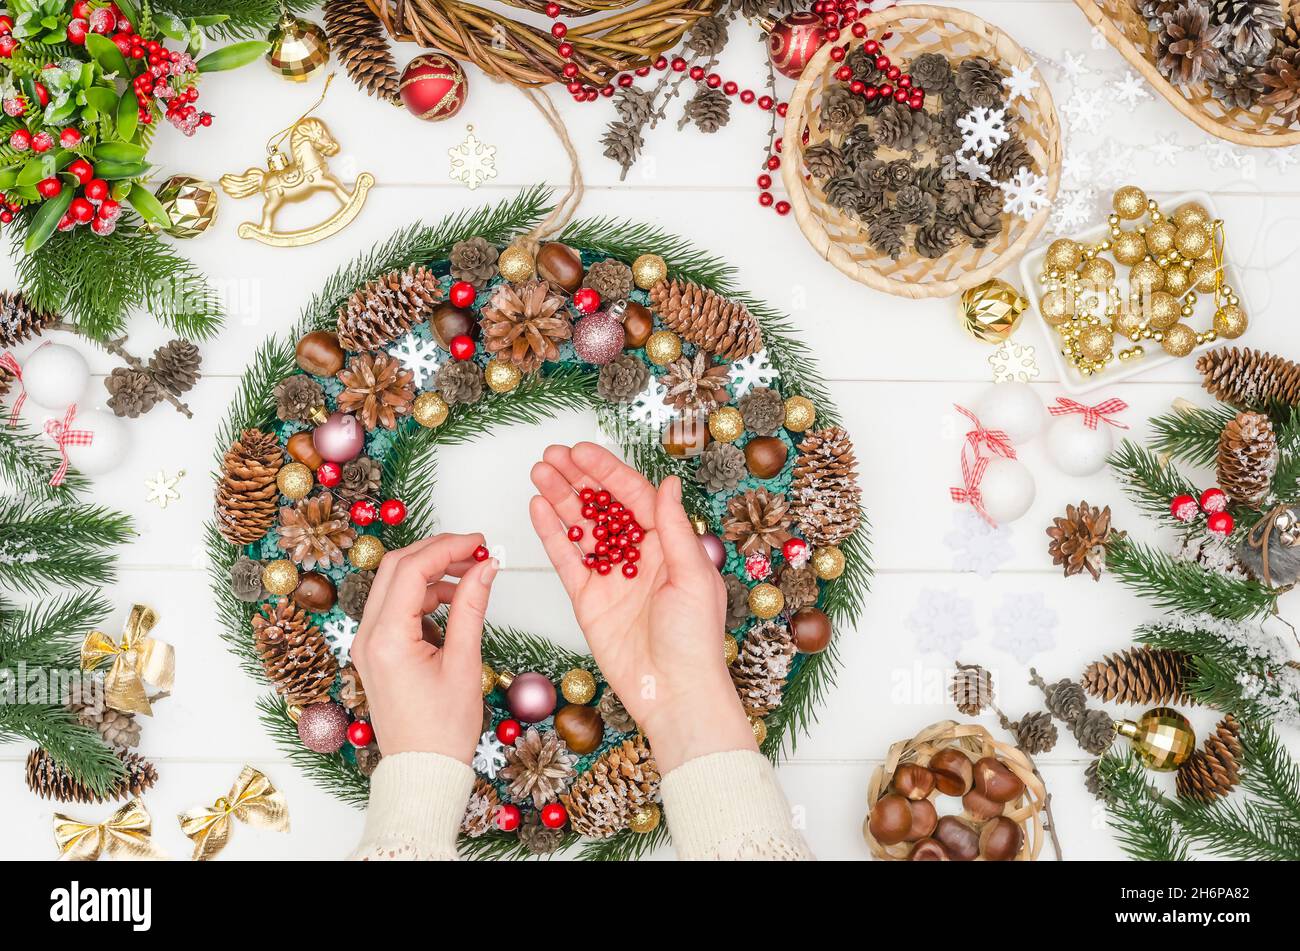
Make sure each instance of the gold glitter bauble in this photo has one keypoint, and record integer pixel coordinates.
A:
(1202, 276)
(1096, 342)
(1177, 279)
(759, 726)
(578, 685)
(1179, 340)
(1230, 321)
(1063, 255)
(1055, 306)
(726, 424)
(800, 414)
(1147, 274)
(1193, 241)
(1128, 323)
(1191, 214)
(644, 819)
(991, 311)
(648, 270)
(828, 563)
(1164, 309)
(1129, 248)
(1098, 271)
(516, 265)
(1160, 238)
(294, 481)
(663, 347)
(1162, 738)
(430, 410)
(190, 203)
(766, 601)
(501, 376)
(489, 679)
(366, 553)
(1130, 202)
(730, 649)
(280, 577)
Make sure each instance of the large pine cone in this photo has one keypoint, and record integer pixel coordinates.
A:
(1281, 77)
(315, 532)
(175, 366)
(247, 494)
(295, 655)
(1079, 538)
(1213, 771)
(1141, 675)
(696, 384)
(47, 779)
(357, 39)
(538, 767)
(19, 320)
(1189, 46)
(377, 389)
(825, 498)
(1248, 458)
(707, 319)
(385, 309)
(759, 672)
(1249, 379)
(131, 393)
(622, 780)
(526, 324)
(757, 521)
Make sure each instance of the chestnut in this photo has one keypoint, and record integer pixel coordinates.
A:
(928, 850)
(979, 807)
(924, 819)
(994, 781)
(912, 781)
(953, 773)
(1000, 840)
(891, 819)
(959, 838)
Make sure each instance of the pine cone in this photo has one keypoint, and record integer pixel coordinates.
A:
(858, 148)
(354, 591)
(757, 520)
(611, 279)
(1079, 538)
(696, 384)
(376, 389)
(20, 321)
(175, 366)
(763, 410)
(387, 307)
(885, 233)
(352, 693)
(1248, 458)
(525, 324)
(131, 392)
(119, 730)
(1188, 47)
(474, 260)
(247, 495)
(361, 477)
(459, 381)
(721, 468)
(914, 206)
(6, 381)
(799, 585)
(538, 768)
(1011, 156)
(295, 655)
(1153, 11)
(862, 66)
(297, 397)
(1252, 28)
(825, 495)
(1238, 87)
(315, 532)
(932, 72)
(707, 319)
(737, 601)
(845, 192)
(614, 713)
(823, 161)
(1213, 771)
(622, 780)
(623, 143)
(899, 127)
(1066, 700)
(1093, 731)
(368, 758)
(634, 105)
(932, 180)
(246, 579)
(1249, 379)
(840, 109)
(971, 689)
(1141, 675)
(622, 379)
(937, 238)
(981, 219)
(708, 36)
(759, 672)
(979, 82)
(481, 810)
(537, 838)
(1093, 782)
(47, 779)
(709, 109)
(1035, 733)
(357, 38)
(1281, 79)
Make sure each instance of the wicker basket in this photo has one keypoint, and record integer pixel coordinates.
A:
(841, 238)
(1126, 30)
(976, 742)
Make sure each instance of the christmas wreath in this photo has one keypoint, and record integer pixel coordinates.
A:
(434, 338)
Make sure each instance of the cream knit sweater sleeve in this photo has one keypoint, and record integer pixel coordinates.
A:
(721, 806)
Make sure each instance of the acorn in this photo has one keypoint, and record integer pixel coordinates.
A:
(447, 322)
(638, 325)
(979, 807)
(994, 781)
(320, 353)
(561, 265)
(959, 838)
(928, 850)
(315, 592)
(1000, 840)
(891, 819)
(302, 448)
(580, 727)
(912, 781)
(953, 772)
(924, 818)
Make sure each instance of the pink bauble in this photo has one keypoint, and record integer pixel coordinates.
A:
(598, 337)
(341, 439)
(323, 727)
(714, 548)
(531, 697)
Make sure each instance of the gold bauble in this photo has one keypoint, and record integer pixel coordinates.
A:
(1164, 309)
(1193, 241)
(1160, 237)
(1128, 322)
(766, 601)
(280, 577)
(578, 685)
(1179, 340)
(294, 481)
(759, 726)
(1055, 306)
(190, 203)
(1230, 321)
(1130, 202)
(516, 265)
(1147, 274)
(1129, 248)
(800, 414)
(730, 649)
(726, 424)
(1191, 214)
(430, 410)
(299, 48)
(991, 311)
(644, 819)
(489, 679)
(1202, 276)
(1178, 279)
(366, 553)
(501, 376)
(1098, 271)
(504, 679)
(663, 347)
(828, 563)
(1096, 342)
(1063, 255)
(648, 270)
(1162, 738)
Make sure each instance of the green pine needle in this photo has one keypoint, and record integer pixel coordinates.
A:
(78, 749)
(1136, 812)
(1151, 484)
(26, 464)
(1192, 435)
(43, 544)
(247, 18)
(1185, 585)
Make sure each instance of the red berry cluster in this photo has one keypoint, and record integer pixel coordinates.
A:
(1213, 502)
(364, 512)
(617, 534)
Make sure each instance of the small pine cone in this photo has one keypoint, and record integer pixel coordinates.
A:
(799, 586)
(1011, 156)
(621, 780)
(1141, 675)
(47, 779)
(20, 321)
(1281, 78)
(6, 381)
(247, 496)
(737, 601)
(932, 72)
(1079, 539)
(474, 260)
(387, 307)
(295, 656)
(858, 148)
(614, 713)
(862, 65)
(352, 693)
(898, 127)
(708, 36)
(709, 109)
(937, 238)
(979, 82)
(705, 318)
(354, 591)
(1153, 11)
(885, 233)
(1238, 88)
(481, 809)
(537, 838)
(845, 192)
(360, 477)
(622, 379)
(840, 109)
(368, 758)
(981, 219)
(119, 730)
(622, 144)
(759, 672)
(971, 689)
(1066, 700)
(823, 161)
(756, 521)
(297, 396)
(131, 393)
(1248, 458)
(721, 467)
(1094, 731)
(175, 366)
(357, 38)
(246, 579)
(915, 206)
(825, 495)
(1093, 782)
(634, 105)
(459, 382)
(763, 410)
(611, 279)
(1213, 771)
(1249, 379)
(1189, 47)
(1035, 733)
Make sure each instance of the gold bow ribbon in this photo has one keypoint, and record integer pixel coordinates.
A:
(136, 660)
(124, 835)
(252, 799)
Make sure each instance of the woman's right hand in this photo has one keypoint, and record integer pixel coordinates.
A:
(657, 637)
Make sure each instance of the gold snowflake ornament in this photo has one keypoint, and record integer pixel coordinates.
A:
(1013, 362)
(162, 489)
(472, 162)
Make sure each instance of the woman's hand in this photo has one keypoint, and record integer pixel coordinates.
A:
(657, 637)
(424, 698)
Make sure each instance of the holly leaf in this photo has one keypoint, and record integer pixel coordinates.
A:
(32, 172)
(128, 116)
(233, 56)
(171, 27)
(103, 101)
(116, 171)
(47, 219)
(120, 152)
(130, 11)
(106, 54)
(150, 208)
(9, 177)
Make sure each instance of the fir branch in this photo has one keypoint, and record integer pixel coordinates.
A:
(78, 749)
(26, 464)
(1191, 434)
(626, 846)
(1150, 483)
(1137, 813)
(629, 240)
(247, 18)
(332, 773)
(508, 648)
(1186, 586)
(57, 544)
(50, 634)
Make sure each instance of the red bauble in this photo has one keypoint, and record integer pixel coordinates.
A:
(393, 512)
(363, 512)
(1213, 500)
(433, 87)
(360, 734)
(481, 553)
(1184, 508)
(793, 40)
(20, 140)
(462, 294)
(462, 347)
(77, 30)
(586, 299)
(42, 142)
(329, 474)
(554, 815)
(1220, 523)
(508, 817)
(629, 570)
(508, 731)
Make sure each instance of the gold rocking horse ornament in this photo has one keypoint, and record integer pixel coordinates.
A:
(296, 178)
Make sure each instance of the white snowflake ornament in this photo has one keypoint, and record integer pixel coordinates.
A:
(472, 162)
(752, 371)
(983, 130)
(970, 166)
(489, 755)
(1131, 90)
(422, 357)
(1026, 194)
(341, 632)
(976, 545)
(1073, 66)
(1024, 625)
(1166, 149)
(1283, 159)
(1072, 210)
(1013, 362)
(1085, 112)
(942, 621)
(1021, 83)
(162, 489)
(650, 407)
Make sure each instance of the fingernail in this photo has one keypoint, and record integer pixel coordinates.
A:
(490, 571)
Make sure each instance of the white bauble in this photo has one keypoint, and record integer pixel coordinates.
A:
(1013, 408)
(108, 447)
(55, 376)
(1077, 450)
(1007, 489)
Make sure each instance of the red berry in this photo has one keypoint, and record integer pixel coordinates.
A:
(696, 73)
(558, 30)
(765, 102)
(632, 553)
(603, 498)
(81, 9)
(586, 496)
(1213, 500)
(893, 73)
(7, 46)
(48, 187)
(329, 474)
(462, 347)
(481, 553)
(20, 140)
(773, 163)
(69, 137)
(843, 74)
(794, 550)
(629, 570)
(508, 817)
(615, 556)
(81, 210)
(103, 226)
(765, 181)
(393, 512)
(42, 142)
(589, 511)
(462, 293)
(783, 208)
(603, 568)
(1220, 523)
(575, 533)
(586, 299)
(905, 81)
(565, 50)
(1184, 508)
(765, 199)
(554, 815)
(858, 87)
(589, 559)
(508, 731)
(363, 512)
(123, 44)
(360, 734)
(6, 216)
(96, 189)
(747, 96)
(77, 31)
(882, 62)
(713, 80)
(678, 64)
(552, 10)
(570, 70)
(859, 30)
(636, 535)
(837, 53)
(730, 88)
(83, 170)
(6, 24)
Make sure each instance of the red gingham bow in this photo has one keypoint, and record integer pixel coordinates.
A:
(999, 443)
(10, 363)
(969, 491)
(64, 436)
(1092, 415)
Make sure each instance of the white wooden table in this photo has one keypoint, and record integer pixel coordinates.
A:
(895, 367)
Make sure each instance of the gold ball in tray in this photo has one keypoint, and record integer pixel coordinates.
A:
(1129, 248)
(1160, 238)
(1178, 279)
(1064, 255)
(1130, 202)
(1192, 214)
(1179, 340)
(1202, 275)
(1097, 271)
(1129, 323)
(1146, 275)
(1230, 321)
(1096, 343)
(1193, 241)
(1164, 309)
(1055, 306)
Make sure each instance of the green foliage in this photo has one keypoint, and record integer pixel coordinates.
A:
(244, 18)
(1192, 435)
(44, 544)
(1185, 585)
(1136, 811)
(27, 463)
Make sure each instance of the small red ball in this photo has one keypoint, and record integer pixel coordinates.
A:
(462, 347)
(552, 10)
(508, 817)
(587, 495)
(773, 163)
(83, 170)
(1220, 523)
(97, 189)
(48, 187)
(590, 559)
(843, 74)
(360, 734)
(586, 299)
(575, 533)
(508, 731)
(795, 550)
(554, 815)
(1184, 508)
(837, 52)
(393, 512)
(565, 50)
(765, 199)
(68, 138)
(603, 567)
(632, 553)
(747, 96)
(629, 570)
(481, 553)
(603, 498)
(730, 88)
(1213, 500)
(558, 30)
(783, 208)
(329, 474)
(363, 512)
(462, 294)
(765, 181)
(81, 210)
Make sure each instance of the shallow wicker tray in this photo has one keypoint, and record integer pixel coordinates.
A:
(1126, 30)
(976, 742)
(840, 238)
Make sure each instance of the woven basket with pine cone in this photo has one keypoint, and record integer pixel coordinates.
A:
(971, 689)
(357, 38)
(1189, 47)
(623, 779)
(525, 324)
(1249, 379)
(377, 389)
(247, 495)
(295, 655)
(1078, 539)
(696, 384)
(759, 672)
(825, 498)
(19, 320)
(538, 767)
(481, 810)
(1213, 771)
(1281, 78)
(47, 779)
(385, 309)
(315, 532)
(707, 319)
(756, 521)
(1141, 675)
(1248, 457)
(175, 366)
(1252, 28)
